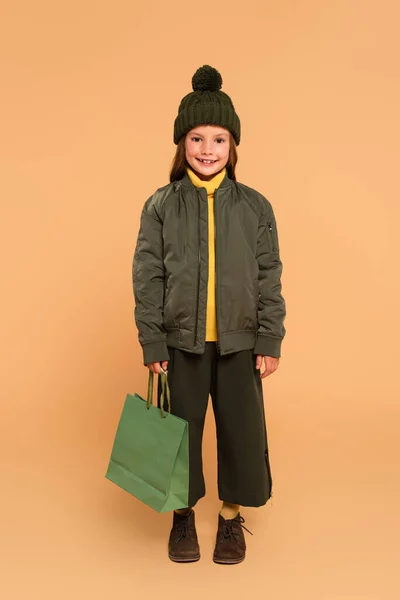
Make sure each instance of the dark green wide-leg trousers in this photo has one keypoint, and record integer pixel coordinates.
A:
(234, 383)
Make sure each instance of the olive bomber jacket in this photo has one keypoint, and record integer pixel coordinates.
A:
(170, 271)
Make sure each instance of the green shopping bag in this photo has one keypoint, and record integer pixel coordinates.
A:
(150, 454)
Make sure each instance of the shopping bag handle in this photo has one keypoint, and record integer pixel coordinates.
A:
(165, 387)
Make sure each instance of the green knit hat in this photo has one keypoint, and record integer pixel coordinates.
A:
(206, 105)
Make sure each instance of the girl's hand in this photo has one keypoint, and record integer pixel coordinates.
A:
(155, 366)
(271, 364)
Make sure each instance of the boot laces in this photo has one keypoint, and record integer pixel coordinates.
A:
(183, 530)
(231, 528)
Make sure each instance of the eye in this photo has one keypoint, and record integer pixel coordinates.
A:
(195, 138)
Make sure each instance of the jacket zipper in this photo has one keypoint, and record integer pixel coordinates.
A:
(198, 265)
(198, 271)
(215, 277)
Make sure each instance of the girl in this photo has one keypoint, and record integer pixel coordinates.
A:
(209, 310)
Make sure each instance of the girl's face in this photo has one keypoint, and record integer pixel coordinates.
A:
(209, 143)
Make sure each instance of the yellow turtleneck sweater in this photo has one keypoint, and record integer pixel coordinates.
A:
(211, 314)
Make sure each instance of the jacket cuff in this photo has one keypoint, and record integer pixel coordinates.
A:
(155, 352)
(268, 346)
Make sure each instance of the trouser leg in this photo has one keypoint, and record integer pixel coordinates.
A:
(244, 475)
(189, 380)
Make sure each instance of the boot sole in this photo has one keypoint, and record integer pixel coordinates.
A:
(177, 559)
(228, 561)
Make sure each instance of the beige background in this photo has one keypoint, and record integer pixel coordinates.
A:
(89, 93)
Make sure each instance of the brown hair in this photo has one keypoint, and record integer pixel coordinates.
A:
(180, 163)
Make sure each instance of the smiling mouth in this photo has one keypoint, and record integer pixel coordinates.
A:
(206, 162)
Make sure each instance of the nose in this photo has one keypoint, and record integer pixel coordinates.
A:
(206, 147)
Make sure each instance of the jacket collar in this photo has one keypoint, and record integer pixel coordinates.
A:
(187, 182)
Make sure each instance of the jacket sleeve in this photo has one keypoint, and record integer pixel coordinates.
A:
(271, 308)
(148, 286)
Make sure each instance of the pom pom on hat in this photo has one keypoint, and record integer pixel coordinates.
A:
(206, 78)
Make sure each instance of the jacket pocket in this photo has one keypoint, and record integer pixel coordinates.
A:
(167, 317)
(165, 288)
(273, 235)
(256, 293)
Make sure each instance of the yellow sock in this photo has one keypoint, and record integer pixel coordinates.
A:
(183, 511)
(229, 511)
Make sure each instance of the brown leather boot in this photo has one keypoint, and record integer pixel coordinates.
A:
(230, 546)
(183, 545)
